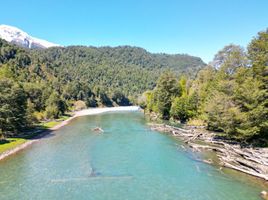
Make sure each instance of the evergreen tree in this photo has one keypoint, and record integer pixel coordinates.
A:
(55, 106)
(13, 107)
(166, 90)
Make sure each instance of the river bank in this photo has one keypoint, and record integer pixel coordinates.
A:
(125, 162)
(249, 160)
(44, 133)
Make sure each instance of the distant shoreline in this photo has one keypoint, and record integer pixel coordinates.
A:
(94, 111)
(89, 111)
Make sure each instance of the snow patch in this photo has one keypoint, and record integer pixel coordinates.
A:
(15, 35)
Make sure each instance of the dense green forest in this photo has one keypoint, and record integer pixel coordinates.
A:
(230, 95)
(43, 84)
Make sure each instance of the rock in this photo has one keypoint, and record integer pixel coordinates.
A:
(97, 129)
(264, 195)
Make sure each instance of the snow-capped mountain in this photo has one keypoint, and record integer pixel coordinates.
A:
(19, 37)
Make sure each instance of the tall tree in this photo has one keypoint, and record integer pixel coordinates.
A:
(258, 54)
(13, 107)
(166, 90)
(55, 106)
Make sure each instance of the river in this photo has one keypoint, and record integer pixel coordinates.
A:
(128, 161)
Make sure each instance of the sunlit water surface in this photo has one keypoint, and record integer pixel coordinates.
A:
(127, 161)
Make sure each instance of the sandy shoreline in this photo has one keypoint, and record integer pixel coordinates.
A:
(90, 111)
(95, 111)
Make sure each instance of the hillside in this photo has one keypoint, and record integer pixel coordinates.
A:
(45, 83)
(129, 69)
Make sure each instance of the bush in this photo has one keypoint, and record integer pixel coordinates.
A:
(79, 105)
(223, 114)
(182, 108)
(39, 115)
(196, 122)
(52, 112)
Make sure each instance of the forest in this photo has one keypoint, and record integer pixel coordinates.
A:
(229, 95)
(43, 84)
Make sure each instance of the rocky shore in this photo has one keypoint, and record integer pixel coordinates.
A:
(253, 161)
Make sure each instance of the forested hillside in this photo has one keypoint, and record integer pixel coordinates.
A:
(129, 69)
(43, 84)
(230, 95)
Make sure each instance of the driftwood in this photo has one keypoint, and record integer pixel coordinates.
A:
(251, 161)
(97, 129)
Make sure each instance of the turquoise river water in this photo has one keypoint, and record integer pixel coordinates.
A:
(128, 161)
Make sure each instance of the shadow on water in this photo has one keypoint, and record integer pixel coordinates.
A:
(93, 175)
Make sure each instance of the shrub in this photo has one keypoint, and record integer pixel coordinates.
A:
(79, 105)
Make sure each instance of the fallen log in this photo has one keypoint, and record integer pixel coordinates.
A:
(232, 155)
(265, 177)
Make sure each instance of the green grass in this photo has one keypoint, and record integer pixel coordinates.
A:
(50, 124)
(53, 123)
(11, 143)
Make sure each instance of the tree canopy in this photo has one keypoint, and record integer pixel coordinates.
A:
(230, 95)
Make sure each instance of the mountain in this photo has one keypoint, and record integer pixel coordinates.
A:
(73, 71)
(21, 38)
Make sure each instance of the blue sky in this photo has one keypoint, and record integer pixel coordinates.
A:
(195, 27)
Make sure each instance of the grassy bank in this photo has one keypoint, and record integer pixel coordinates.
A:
(51, 124)
(11, 143)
